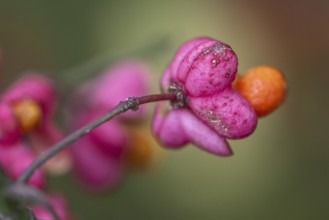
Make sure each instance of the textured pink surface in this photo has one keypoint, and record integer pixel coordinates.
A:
(203, 66)
(173, 71)
(227, 112)
(203, 69)
(180, 126)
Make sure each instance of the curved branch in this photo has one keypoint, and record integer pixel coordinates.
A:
(130, 103)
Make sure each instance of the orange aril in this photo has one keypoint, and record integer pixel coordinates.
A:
(28, 113)
(264, 87)
(140, 152)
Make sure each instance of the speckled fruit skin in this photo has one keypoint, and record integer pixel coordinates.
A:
(264, 87)
(203, 66)
(227, 112)
(204, 69)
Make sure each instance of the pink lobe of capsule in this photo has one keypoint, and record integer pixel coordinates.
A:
(110, 138)
(94, 169)
(179, 127)
(173, 71)
(9, 129)
(126, 79)
(35, 87)
(203, 136)
(213, 68)
(227, 112)
(168, 129)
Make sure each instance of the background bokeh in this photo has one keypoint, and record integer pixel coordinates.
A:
(280, 172)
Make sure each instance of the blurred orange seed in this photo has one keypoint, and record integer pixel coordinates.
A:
(28, 114)
(140, 152)
(264, 87)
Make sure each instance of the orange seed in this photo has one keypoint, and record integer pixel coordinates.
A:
(140, 152)
(264, 87)
(28, 114)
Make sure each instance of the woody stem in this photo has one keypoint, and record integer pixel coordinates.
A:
(130, 103)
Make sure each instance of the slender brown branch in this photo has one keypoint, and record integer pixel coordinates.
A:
(131, 103)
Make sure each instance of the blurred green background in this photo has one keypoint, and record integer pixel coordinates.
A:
(280, 172)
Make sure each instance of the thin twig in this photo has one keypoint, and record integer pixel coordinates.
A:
(131, 103)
